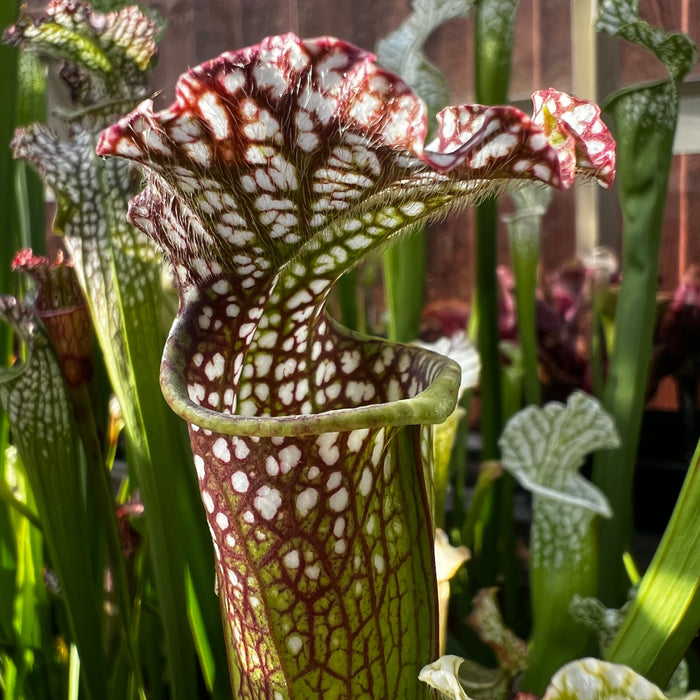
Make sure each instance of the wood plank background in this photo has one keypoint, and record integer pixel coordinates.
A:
(201, 29)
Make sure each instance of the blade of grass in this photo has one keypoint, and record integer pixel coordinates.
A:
(664, 615)
(404, 276)
(494, 22)
(8, 237)
(644, 160)
(29, 615)
(524, 237)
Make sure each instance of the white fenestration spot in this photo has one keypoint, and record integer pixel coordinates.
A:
(208, 501)
(294, 644)
(199, 152)
(356, 439)
(199, 466)
(283, 173)
(263, 363)
(499, 147)
(233, 81)
(537, 141)
(267, 501)
(412, 208)
(289, 457)
(327, 449)
(364, 109)
(272, 466)
(378, 447)
(350, 361)
(359, 242)
(301, 297)
(339, 527)
(262, 391)
(240, 482)
(312, 473)
(214, 369)
(334, 481)
(339, 500)
(365, 485)
(196, 392)
(221, 287)
(269, 76)
(542, 171)
(214, 114)
(286, 393)
(240, 449)
(313, 571)
(306, 501)
(220, 450)
(222, 520)
(128, 149)
(307, 140)
(291, 559)
(378, 560)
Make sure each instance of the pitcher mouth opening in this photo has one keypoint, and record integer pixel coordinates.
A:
(427, 398)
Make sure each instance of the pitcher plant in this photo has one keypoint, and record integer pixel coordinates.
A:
(274, 171)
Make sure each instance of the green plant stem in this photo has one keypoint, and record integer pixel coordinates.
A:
(404, 277)
(488, 474)
(487, 328)
(493, 44)
(664, 616)
(347, 299)
(524, 236)
(597, 348)
(556, 637)
(644, 139)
